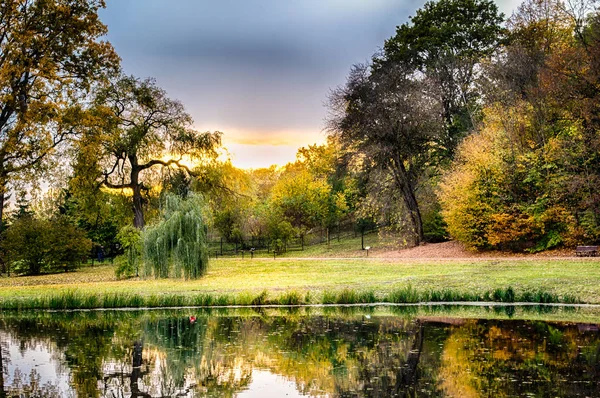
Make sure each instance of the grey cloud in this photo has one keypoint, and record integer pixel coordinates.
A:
(260, 65)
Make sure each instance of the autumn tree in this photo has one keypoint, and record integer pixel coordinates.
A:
(140, 128)
(389, 121)
(526, 180)
(228, 191)
(50, 55)
(306, 201)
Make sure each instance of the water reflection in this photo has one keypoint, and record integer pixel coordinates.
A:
(348, 353)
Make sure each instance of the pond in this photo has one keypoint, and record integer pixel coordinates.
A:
(321, 352)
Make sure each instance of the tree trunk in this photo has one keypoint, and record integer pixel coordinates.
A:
(362, 239)
(415, 214)
(2, 198)
(138, 200)
(136, 372)
(2, 390)
(3, 264)
(407, 188)
(407, 378)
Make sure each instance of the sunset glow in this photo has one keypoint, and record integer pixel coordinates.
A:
(252, 149)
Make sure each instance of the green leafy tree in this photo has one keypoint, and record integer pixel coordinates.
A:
(305, 200)
(230, 197)
(447, 40)
(130, 240)
(100, 214)
(34, 245)
(50, 55)
(176, 244)
(68, 245)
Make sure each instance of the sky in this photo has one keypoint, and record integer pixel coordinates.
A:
(259, 71)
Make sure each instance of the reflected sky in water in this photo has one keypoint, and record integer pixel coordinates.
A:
(303, 352)
(266, 384)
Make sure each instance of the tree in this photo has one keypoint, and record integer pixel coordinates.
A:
(50, 55)
(141, 128)
(177, 245)
(389, 121)
(446, 40)
(129, 237)
(306, 200)
(228, 191)
(527, 179)
(34, 245)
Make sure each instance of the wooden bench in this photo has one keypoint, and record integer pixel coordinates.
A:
(586, 251)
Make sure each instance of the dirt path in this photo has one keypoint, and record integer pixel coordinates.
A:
(447, 251)
(455, 250)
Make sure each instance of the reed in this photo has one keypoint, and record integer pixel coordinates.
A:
(261, 299)
(290, 298)
(404, 295)
(72, 299)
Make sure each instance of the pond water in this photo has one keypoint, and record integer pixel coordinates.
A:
(320, 352)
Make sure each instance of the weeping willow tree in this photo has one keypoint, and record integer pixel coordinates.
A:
(177, 245)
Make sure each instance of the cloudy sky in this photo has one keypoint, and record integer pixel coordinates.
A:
(257, 70)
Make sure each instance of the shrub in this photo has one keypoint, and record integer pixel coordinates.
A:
(128, 263)
(33, 245)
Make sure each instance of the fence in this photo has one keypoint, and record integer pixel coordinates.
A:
(219, 246)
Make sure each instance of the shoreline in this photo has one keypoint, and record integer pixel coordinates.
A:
(316, 281)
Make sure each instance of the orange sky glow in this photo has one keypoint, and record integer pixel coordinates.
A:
(253, 150)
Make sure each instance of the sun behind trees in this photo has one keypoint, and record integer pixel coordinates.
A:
(138, 128)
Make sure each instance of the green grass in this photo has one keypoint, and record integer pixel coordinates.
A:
(347, 247)
(331, 281)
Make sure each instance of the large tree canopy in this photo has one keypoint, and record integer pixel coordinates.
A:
(406, 113)
(140, 128)
(50, 55)
(446, 40)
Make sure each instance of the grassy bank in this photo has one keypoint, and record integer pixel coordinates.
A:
(306, 281)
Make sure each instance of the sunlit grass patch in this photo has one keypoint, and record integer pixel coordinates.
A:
(309, 281)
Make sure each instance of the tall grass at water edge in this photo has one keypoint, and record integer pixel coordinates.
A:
(72, 300)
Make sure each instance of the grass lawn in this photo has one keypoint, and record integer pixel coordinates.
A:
(348, 247)
(241, 280)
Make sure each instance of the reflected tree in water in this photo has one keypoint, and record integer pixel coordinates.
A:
(490, 358)
(84, 344)
(136, 372)
(122, 372)
(3, 354)
(30, 385)
(159, 354)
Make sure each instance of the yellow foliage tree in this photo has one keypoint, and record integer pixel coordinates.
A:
(50, 56)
